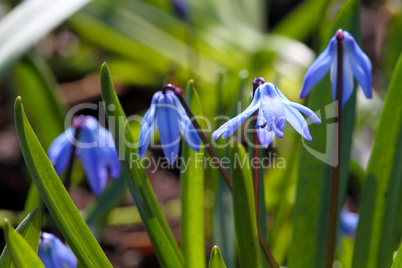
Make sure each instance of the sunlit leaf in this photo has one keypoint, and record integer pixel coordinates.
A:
(55, 196)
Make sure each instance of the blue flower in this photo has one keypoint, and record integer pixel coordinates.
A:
(274, 109)
(168, 115)
(355, 63)
(54, 254)
(95, 147)
(349, 221)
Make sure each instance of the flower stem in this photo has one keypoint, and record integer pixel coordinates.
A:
(332, 224)
(222, 170)
(67, 178)
(256, 151)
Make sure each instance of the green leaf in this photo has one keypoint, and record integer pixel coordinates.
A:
(22, 254)
(215, 260)
(192, 194)
(29, 229)
(311, 211)
(27, 23)
(163, 241)
(55, 196)
(248, 247)
(377, 232)
(398, 259)
(34, 82)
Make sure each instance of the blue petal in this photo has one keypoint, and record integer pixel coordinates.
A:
(273, 109)
(349, 221)
(359, 63)
(168, 126)
(297, 121)
(187, 129)
(304, 110)
(347, 80)
(64, 254)
(93, 161)
(230, 126)
(264, 135)
(53, 253)
(60, 150)
(333, 76)
(319, 68)
(148, 126)
(110, 153)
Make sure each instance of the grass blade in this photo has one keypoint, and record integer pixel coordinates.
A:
(29, 229)
(55, 196)
(311, 211)
(377, 232)
(248, 247)
(21, 252)
(28, 23)
(163, 241)
(398, 259)
(192, 194)
(216, 261)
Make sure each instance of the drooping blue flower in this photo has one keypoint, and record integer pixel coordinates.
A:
(168, 115)
(95, 148)
(54, 254)
(355, 63)
(274, 109)
(349, 221)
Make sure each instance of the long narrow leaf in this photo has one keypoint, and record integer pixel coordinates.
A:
(29, 229)
(22, 254)
(161, 236)
(377, 233)
(216, 261)
(248, 248)
(398, 259)
(311, 212)
(55, 196)
(28, 23)
(192, 194)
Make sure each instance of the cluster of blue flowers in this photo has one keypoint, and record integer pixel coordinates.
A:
(168, 116)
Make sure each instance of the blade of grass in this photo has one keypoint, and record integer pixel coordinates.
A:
(310, 217)
(163, 241)
(398, 259)
(192, 194)
(55, 196)
(22, 254)
(248, 248)
(29, 229)
(215, 260)
(377, 232)
(27, 23)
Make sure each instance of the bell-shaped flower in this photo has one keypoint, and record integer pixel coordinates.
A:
(348, 221)
(95, 148)
(54, 254)
(168, 115)
(355, 63)
(274, 109)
